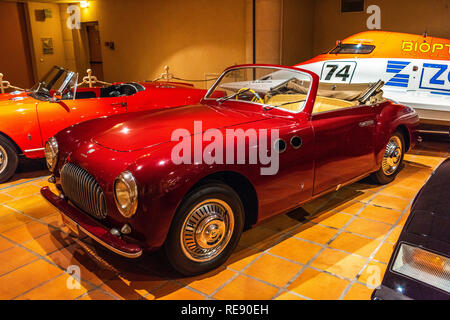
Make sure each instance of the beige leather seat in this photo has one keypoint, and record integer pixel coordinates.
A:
(322, 103)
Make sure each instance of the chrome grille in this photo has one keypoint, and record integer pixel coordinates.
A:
(83, 191)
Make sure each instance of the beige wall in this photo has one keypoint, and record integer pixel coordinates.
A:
(298, 29)
(196, 38)
(410, 16)
(50, 28)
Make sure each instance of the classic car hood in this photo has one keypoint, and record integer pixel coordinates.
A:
(141, 130)
(16, 102)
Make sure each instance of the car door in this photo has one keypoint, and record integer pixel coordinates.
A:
(344, 145)
(55, 116)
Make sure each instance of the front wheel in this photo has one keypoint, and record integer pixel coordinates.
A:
(205, 230)
(8, 160)
(392, 159)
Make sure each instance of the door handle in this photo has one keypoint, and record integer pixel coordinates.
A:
(366, 123)
(119, 104)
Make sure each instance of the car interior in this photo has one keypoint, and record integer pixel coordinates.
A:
(113, 91)
(330, 96)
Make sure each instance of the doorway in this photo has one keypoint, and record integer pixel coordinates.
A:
(95, 48)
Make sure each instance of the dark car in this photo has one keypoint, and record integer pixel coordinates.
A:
(420, 265)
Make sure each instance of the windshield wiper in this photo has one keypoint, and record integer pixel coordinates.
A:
(220, 100)
(282, 104)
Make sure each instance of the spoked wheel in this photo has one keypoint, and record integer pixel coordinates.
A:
(205, 229)
(392, 159)
(8, 160)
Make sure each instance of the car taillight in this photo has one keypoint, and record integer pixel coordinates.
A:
(424, 266)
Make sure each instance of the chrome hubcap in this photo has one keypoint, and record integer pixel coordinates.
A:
(3, 159)
(392, 156)
(207, 230)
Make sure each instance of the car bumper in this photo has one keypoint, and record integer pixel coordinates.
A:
(79, 222)
(386, 293)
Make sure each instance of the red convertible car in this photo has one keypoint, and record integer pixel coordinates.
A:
(190, 178)
(29, 118)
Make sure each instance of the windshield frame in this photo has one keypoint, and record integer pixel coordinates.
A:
(38, 93)
(266, 107)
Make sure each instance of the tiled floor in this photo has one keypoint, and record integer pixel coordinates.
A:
(336, 247)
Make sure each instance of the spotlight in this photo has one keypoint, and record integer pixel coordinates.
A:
(84, 4)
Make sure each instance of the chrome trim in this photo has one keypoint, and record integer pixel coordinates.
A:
(83, 190)
(366, 123)
(33, 150)
(207, 230)
(3, 159)
(124, 254)
(213, 87)
(130, 181)
(392, 156)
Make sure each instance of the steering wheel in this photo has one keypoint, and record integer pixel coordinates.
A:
(256, 97)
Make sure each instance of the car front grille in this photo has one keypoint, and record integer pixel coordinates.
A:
(83, 190)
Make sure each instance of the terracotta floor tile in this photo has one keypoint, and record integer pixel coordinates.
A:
(390, 202)
(318, 285)
(34, 206)
(333, 219)
(245, 288)
(384, 253)
(12, 221)
(339, 263)
(273, 270)
(296, 250)
(97, 295)
(350, 207)
(133, 286)
(49, 243)
(380, 214)
(355, 244)
(4, 211)
(27, 232)
(288, 296)
(282, 223)
(399, 191)
(14, 258)
(209, 282)
(373, 274)
(393, 236)
(22, 190)
(241, 257)
(91, 270)
(260, 238)
(26, 278)
(358, 292)
(4, 198)
(173, 291)
(368, 228)
(314, 232)
(58, 289)
(5, 244)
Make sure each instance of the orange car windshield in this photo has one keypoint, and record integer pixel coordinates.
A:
(349, 48)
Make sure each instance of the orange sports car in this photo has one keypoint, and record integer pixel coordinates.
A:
(28, 119)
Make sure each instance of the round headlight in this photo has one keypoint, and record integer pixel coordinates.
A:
(51, 153)
(126, 194)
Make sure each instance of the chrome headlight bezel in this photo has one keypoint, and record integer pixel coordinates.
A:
(126, 181)
(51, 153)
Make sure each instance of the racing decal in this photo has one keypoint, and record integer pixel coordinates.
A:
(435, 76)
(398, 80)
(338, 71)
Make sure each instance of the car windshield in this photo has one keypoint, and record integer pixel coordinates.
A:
(348, 48)
(269, 87)
(57, 80)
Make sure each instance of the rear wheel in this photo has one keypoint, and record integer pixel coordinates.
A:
(9, 160)
(392, 159)
(205, 229)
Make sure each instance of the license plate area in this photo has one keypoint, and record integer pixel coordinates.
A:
(71, 225)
